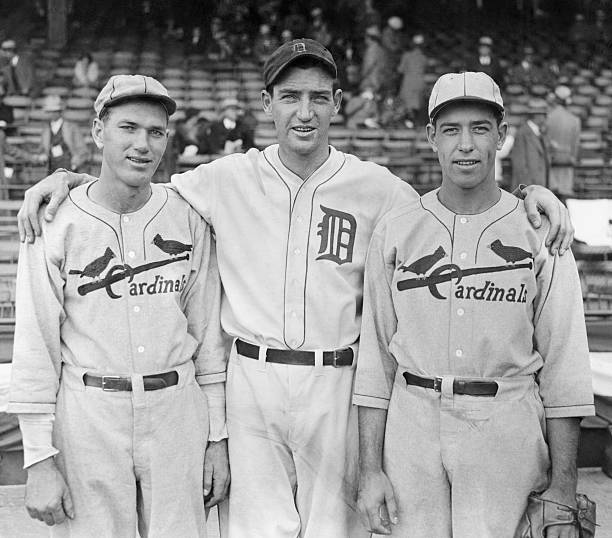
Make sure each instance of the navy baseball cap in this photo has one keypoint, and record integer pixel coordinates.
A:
(294, 50)
(120, 88)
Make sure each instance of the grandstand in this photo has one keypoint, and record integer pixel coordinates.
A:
(201, 80)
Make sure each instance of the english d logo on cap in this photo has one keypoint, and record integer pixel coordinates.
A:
(291, 51)
(467, 86)
(120, 88)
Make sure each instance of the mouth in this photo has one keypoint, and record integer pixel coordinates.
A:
(466, 163)
(303, 130)
(139, 161)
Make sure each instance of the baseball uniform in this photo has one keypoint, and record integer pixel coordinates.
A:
(291, 258)
(469, 297)
(134, 295)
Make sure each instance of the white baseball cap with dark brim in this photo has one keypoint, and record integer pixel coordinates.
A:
(120, 88)
(469, 86)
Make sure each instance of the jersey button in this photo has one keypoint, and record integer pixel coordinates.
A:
(460, 311)
(297, 251)
(131, 254)
(136, 309)
(140, 349)
(463, 255)
(299, 219)
(463, 220)
(126, 219)
(459, 353)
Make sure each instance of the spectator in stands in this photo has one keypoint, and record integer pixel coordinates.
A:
(361, 110)
(374, 64)
(527, 73)
(18, 70)
(286, 36)
(579, 31)
(394, 41)
(6, 111)
(230, 134)
(502, 154)
(61, 140)
(563, 130)
(487, 62)
(185, 134)
(531, 154)
(86, 71)
(265, 43)
(319, 31)
(412, 70)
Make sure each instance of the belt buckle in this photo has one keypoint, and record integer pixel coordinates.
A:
(107, 381)
(335, 357)
(437, 384)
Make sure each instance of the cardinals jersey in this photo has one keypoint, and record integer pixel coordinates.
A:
(116, 294)
(474, 296)
(291, 251)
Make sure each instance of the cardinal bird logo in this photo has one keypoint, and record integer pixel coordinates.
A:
(169, 246)
(509, 253)
(95, 268)
(424, 264)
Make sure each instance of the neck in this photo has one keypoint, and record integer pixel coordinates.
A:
(303, 166)
(469, 201)
(119, 198)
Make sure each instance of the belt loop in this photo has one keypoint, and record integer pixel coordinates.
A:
(261, 366)
(318, 362)
(447, 392)
(138, 395)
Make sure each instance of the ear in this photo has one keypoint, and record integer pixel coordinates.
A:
(266, 101)
(337, 100)
(503, 132)
(431, 137)
(97, 129)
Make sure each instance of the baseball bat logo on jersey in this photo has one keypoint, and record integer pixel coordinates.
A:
(337, 231)
(449, 271)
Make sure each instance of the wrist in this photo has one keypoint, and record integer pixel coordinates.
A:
(42, 466)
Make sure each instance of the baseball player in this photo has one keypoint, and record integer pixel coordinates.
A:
(292, 224)
(473, 369)
(119, 360)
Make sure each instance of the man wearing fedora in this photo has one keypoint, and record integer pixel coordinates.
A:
(18, 69)
(61, 139)
(229, 134)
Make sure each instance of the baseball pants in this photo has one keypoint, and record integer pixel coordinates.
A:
(133, 460)
(292, 449)
(463, 466)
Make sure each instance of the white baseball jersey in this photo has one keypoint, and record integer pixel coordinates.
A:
(472, 296)
(291, 252)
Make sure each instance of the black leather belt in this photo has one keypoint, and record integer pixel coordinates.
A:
(340, 357)
(470, 388)
(114, 383)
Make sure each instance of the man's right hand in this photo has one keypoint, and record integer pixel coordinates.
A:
(53, 189)
(376, 502)
(47, 495)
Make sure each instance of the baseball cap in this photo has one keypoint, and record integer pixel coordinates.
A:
(395, 22)
(293, 50)
(563, 92)
(485, 40)
(120, 88)
(8, 44)
(467, 86)
(229, 102)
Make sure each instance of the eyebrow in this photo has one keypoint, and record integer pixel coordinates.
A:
(474, 123)
(135, 124)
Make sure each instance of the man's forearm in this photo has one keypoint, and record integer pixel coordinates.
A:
(74, 179)
(563, 435)
(372, 424)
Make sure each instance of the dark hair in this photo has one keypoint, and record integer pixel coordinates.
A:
(499, 116)
(305, 62)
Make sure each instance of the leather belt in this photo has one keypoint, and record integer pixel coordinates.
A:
(470, 388)
(340, 357)
(114, 383)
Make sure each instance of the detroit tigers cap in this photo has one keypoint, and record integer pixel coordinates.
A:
(292, 51)
(120, 88)
(468, 86)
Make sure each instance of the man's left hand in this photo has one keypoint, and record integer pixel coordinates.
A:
(561, 234)
(216, 473)
(566, 498)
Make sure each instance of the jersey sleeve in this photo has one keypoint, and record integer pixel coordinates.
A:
(198, 188)
(560, 338)
(36, 364)
(376, 365)
(203, 311)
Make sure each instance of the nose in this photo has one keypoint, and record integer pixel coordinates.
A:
(141, 141)
(466, 142)
(305, 110)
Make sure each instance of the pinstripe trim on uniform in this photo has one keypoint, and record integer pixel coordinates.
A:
(144, 228)
(536, 315)
(491, 224)
(119, 241)
(450, 234)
